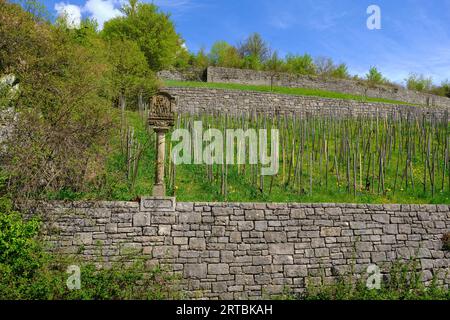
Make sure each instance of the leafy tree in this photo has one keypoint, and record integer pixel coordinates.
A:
(324, 66)
(274, 64)
(62, 109)
(223, 54)
(443, 89)
(130, 72)
(251, 62)
(182, 58)
(300, 64)
(255, 47)
(153, 31)
(200, 59)
(340, 71)
(418, 82)
(374, 76)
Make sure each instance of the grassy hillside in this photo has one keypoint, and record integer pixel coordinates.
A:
(342, 160)
(282, 90)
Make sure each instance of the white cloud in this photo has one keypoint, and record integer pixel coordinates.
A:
(102, 10)
(71, 12)
(173, 3)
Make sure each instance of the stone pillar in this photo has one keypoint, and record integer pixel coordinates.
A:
(161, 119)
(159, 189)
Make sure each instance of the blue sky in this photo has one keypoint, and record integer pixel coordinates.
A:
(414, 35)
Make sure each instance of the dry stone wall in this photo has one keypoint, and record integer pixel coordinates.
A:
(193, 74)
(251, 250)
(242, 76)
(206, 100)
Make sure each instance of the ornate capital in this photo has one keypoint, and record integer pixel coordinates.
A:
(161, 114)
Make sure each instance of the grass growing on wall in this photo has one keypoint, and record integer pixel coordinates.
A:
(402, 281)
(281, 90)
(29, 272)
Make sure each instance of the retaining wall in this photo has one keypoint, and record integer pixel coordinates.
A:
(205, 100)
(250, 250)
(242, 76)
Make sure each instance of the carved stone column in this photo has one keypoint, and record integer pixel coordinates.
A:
(159, 189)
(161, 118)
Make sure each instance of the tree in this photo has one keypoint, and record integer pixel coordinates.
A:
(254, 46)
(300, 64)
(200, 59)
(443, 89)
(275, 63)
(223, 54)
(374, 76)
(152, 30)
(340, 71)
(62, 111)
(418, 82)
(130, 74)
(324, 66)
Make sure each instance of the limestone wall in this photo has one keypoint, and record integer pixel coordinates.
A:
(193, 74)
(229, 75)
(205, 100)
(248, 250)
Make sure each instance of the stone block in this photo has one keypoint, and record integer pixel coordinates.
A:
(281, 248)
(111, 228)
(164, 230)
(275, 237)
(330, 231)
(149, 204)
(190, 217)
(295, 271)
(195, 271)
(298, 213)
(141, 220)
(254, 214)
(165, 252)
(219, 268)
(198, 244)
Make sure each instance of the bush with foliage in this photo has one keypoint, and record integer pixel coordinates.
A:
(27, 271)
(443, 89)
(223, 54)
(68, 80)
(403, 282)
(375, 77)
(418, 82)
(300, 64)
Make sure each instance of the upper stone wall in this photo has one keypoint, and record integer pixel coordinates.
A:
(193, 74)
(252, 77)
(205, 100)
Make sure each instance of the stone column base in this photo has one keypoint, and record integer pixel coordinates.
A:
(157, 204)
(159, 190)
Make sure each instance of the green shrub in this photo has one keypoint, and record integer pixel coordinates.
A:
(403, 282)
(375, 77)
(28, 272)
(418, 82)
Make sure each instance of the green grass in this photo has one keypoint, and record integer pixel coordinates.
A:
(282, 90)
(191, 182)
(404, 282)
